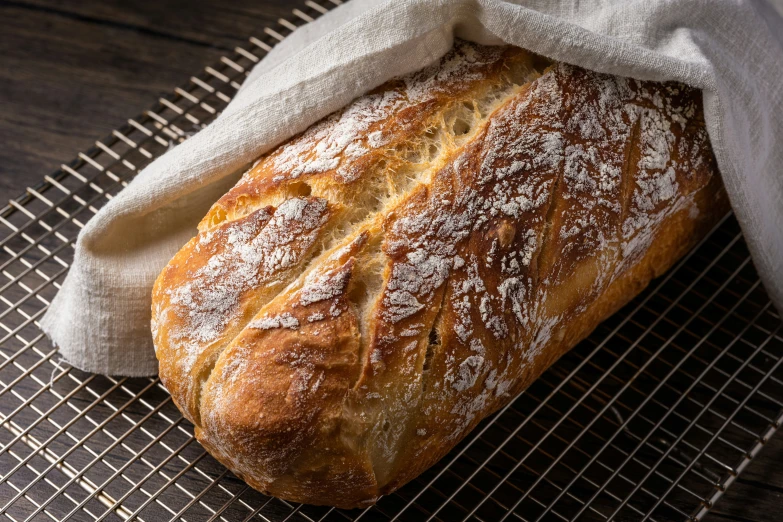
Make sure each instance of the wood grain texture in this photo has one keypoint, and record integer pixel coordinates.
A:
(72, 71)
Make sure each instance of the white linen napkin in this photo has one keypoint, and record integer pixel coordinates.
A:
(732, 49)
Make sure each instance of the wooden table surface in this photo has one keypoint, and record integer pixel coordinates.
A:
(70, 72)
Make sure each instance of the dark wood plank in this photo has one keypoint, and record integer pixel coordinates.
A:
(757, 496)
(207, 23)
(70, 72)
(767, 470)
(748, 502)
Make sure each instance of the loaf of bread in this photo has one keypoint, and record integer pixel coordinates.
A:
(374, 287)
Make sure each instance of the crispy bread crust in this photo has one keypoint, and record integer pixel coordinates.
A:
(373, 288)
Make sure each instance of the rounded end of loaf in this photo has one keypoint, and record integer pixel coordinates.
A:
(433, 249)
(272, 408)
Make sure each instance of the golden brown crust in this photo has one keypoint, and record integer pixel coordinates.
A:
(376, 286)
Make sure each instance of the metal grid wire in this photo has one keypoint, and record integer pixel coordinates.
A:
(651, 418)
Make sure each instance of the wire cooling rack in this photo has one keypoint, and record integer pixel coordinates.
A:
(651, 418)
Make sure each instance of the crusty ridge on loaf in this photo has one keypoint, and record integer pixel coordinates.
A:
(374, 287)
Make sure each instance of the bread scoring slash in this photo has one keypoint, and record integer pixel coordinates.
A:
(374, 287)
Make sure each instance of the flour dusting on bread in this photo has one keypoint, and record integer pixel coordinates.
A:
(374, 287)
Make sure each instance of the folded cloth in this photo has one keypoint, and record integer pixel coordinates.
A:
(732, 49)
